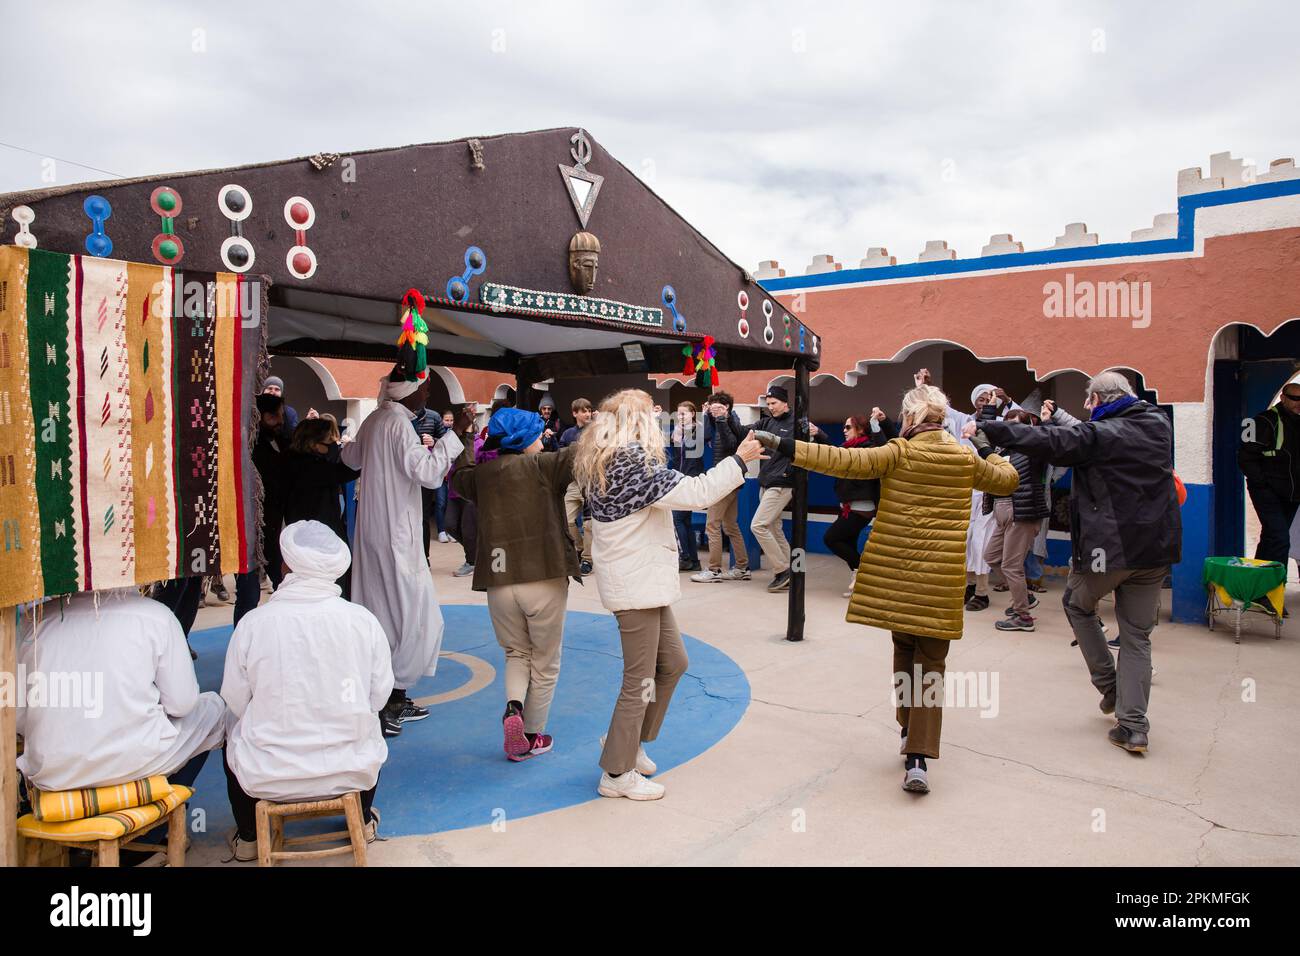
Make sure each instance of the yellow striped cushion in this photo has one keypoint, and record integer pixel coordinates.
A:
(107, 826)
(61, 806)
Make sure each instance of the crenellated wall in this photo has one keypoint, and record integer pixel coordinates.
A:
(1166, 305)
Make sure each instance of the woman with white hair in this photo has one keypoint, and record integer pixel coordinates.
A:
(620, 469)
(913, 573)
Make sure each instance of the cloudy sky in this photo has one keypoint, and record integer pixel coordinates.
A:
(780, 130)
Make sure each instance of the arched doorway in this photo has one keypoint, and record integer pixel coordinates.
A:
(1248, 370)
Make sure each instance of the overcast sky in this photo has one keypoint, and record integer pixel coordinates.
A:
(780, 130)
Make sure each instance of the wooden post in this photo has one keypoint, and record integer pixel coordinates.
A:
(798, 511)
(9, 740)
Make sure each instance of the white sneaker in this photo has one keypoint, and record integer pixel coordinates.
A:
(444, 537)
(915, 781)
(737, 574)
(463, 570)
(245, 850)
(644, 765)
(853, 580)
(706, 576)
(631, 785)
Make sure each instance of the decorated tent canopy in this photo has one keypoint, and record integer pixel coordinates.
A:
(538, 253)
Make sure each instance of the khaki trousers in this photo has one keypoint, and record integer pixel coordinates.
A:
(722, 518)
(920, 706)
(1007, 548)
(1137, 602)
(529, 624)
(766, 526)
(654, 660)
(573, 508)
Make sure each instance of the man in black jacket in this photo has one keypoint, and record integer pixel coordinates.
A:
(776, 481)
(1125, 531)
(725, 432)
(1269, 457)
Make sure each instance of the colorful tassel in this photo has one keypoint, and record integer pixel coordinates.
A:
(413, 343)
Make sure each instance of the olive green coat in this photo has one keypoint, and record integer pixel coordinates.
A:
(913, 572)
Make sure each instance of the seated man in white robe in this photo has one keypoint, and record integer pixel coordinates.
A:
(119, 698)
(305, 674)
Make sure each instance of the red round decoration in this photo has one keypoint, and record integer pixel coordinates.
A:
(415, 298)
(298, 212)
(301, 263)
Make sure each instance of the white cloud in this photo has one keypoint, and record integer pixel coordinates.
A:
(780, 130)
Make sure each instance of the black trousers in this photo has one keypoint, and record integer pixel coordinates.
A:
(181, 596)
(1275, 517)
(461, 520)
(426, 515)
(842, 537)
(244, 807)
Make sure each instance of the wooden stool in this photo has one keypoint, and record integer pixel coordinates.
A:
(271, 840)
(107, 852)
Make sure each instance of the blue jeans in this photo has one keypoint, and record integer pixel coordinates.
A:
(440, 506)
(1033, 566)
(688, 548)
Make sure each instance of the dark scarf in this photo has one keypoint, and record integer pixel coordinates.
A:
(1110, 408)
(923, 427)
(629, 486)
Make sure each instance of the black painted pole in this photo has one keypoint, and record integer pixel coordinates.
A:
(798, 511)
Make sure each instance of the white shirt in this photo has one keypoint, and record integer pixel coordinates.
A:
(306, 675)
(130, 667)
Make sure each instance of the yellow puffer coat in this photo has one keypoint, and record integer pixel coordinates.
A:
(913, 572)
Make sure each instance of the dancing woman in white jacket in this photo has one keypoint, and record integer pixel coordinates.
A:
(621, 471)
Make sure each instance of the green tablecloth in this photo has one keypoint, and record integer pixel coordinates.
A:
(1246, 580)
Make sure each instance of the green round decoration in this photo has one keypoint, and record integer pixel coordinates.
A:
(167, 201)
(167, 248)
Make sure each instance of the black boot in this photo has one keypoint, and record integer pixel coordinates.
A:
(970, 593)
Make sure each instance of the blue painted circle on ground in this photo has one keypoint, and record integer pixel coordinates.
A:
(449, 771)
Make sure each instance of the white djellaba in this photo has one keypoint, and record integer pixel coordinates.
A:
(390, 574)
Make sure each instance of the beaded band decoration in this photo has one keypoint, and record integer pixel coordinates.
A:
(558, 303)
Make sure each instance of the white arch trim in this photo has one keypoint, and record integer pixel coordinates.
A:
(327, 380)
(455, 394)
(1214, 343)
(863, 366)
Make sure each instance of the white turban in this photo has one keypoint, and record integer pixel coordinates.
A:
(980, 390)
(313, 550)
(396, 391)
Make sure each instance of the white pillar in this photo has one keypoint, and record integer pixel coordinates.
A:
(1194, 442)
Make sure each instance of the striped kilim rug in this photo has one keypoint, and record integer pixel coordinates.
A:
(126, 416)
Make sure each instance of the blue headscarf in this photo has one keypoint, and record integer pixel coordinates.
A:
(515, 429)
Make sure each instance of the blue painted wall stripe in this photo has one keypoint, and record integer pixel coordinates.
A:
(1185, 242)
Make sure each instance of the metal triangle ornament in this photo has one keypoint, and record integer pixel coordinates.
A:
(583, 186)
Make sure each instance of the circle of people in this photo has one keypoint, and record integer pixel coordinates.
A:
(948, 497)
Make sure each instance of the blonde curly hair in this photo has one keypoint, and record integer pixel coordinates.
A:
(625, 417)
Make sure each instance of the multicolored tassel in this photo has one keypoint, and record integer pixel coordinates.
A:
(413, 343)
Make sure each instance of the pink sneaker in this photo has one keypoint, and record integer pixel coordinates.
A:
(541, 743)
(512, 726)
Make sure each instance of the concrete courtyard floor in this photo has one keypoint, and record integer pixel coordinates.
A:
(811, 774)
